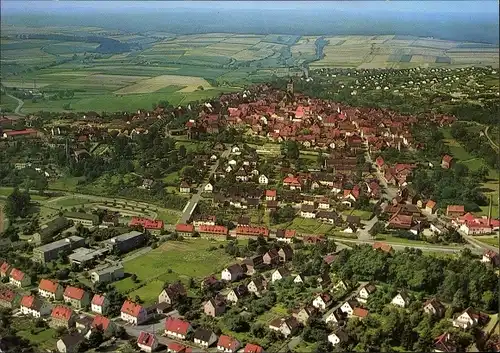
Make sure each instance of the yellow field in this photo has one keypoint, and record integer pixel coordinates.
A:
(159, 82)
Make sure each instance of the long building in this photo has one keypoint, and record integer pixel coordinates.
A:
(50, 252)
(86, 219)
(127, 241)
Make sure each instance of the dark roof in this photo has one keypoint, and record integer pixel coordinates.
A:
(80, 215)
(72, 339)
(353, 220)
(54, 226)
(202, 334)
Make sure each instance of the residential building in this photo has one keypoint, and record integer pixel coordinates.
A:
(285, 253)
(349, 306)
(77, 297)
(469, 318)
(99, 304)
(185, 188)
(50, 252)
(360, 313)
(70, 343)
(85, 219)
(402, 299)
(285, 235)
(133, 313)
(322, 301)
(177, 328)
(430, 207)
(280, 273)
(445, 343)
(175, 347)
(324, 281)
(249, 231)
(82, 323)
(62, 316)
(271, 257)
(236, 293)
(271, 195)
(172, 294)
(184, 230)
(307, 211)
(446, 161)
(209, 188)
(434, 307)
(127, 241)
(227, 344)
(50, 289)
(102, 323)
(365, 292)
(491, 257)
(209, 231)
(286, 326)
(383, 247)
(253, 264)
(18, 278)
(33, 306)
(454, 211)
(204, 338)
(299, 278)
(204, 220)
(214, 307)
(335, 317)
(233, 273)
(147, 342)
(8, 298)
(155, 226)
(337, 337)
(253, 348)
(303, 315)
(107, 273)
(257, 286)
(5, 269)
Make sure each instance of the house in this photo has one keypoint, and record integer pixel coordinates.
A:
(285, 235)
(400, 221)
(171, 295)
(253, 348)
(430, 207)
(360, 313)
(235, 294)
(446, 161)
(293, 183)
(62, 316)
(228, 344)
(286, 326)
(253, 263)
(208, 188)
(454, 211)
(177, 328)
(184, 188)
(204, 337)
(263, 180)
(341, 285)
(175, 347)
(434, 307)
(214, 307)
(249, 231)
(304, 315)
(233, 273)
(50, 289)
(491, 257)
(99, 304)
(77, 297)
(184, 230)
(278, 274)
(70, 343)
(326, 217)
(402, 299)
(82, 323)
(365, 292)
(133, 313)
(18, 278)
(271, 195)
(322, 301)
(383, 247)
(257, 286)
(335, 317)
(299, 279)
(324, 204)
(285, 253)
(324, 280)
(337, 337)
(107, 273)
(209, 231)
(147, 342)
(349, 306)
(33, 306)
(470, 318)
(445, 343)
(271, 257)
(5, 269)
(351, 228)
(8, 298)
(307, 211)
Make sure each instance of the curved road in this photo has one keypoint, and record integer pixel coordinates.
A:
(489, 138)
(20, 104)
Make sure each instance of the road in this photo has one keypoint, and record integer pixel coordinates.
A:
(489, 138)
(193, 202)
(363, 232)
(352, 295)
(20, 104)
(388, 192)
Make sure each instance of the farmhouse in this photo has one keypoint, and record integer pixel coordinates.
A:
(33, 306)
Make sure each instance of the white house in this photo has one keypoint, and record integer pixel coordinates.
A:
(322, 301)
(133, 313)
(337, 337)
(469, 318)
(365, 292)
(298, 279)
(33, 306)
(208, 188)
(307, 211)
(401, 299)
(99, 304)
(280, 273)
(263, 180)
(334, 316)
(348, 307)
(235, 150)
(147, 342)
(232, 273)
(50, 289)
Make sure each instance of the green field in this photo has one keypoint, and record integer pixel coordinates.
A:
(175, 260)
(307, 226)
(42, 338)
(7, 103)
(493, 241)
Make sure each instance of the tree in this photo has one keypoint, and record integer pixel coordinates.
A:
(95, 339)
(290, 149)
(17, 204)
(377, 228)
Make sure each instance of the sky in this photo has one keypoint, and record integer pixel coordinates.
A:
(430, 6)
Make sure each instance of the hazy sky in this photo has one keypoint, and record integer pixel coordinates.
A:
(430, 6)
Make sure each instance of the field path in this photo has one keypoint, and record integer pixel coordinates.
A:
(20, 104)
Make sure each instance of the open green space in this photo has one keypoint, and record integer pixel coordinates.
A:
(493, 241)
(176, 260)
(149, 293)
(307, 226)
(364, 215)
(169, 216)
(43, 338)
(7, 103)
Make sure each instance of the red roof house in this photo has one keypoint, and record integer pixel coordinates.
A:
(147, 341)
(184, 228)
(455, 210)
(147, 223)
(253, 348)
(101, 323)
(177, 328)
(382, 246)
(5, 269)
(228, 344)
(446, 161)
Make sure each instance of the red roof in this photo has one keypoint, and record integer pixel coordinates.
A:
(271, 193)
(382, 246)
(292, 181)
(253, 348)
(7, 295)
(290, 233)
(186, 228)
(177, 347)
(20, 132)
(379, 161)
(100, 322)
(27, 300)
(177, 326)
(131, 308)
(16, 274)
(74, 293)
(146, 223)
(360, 312)
(249, 230)
(98, 299)
(221, 230)
(61, 312)
(48, 285)
(146, 339)
(447, 158)
(455, 208)
(4, 268)
(228, 342)
(430, 204)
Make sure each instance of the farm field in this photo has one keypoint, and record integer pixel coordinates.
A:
(176, 260)
(7, 103)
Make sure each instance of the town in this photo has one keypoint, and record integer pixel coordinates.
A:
(261, 221)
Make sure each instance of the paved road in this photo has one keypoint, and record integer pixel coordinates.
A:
(479, 245)
(363, 232)
(20, 104)
(489, 138)
(193, 202)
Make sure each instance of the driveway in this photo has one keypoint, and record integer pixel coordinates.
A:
(363, 232)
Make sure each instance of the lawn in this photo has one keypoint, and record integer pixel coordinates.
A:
(7, 103)
(148, 293)
(66, 184)
(176, 260)
(493, 241)
(42, 338)
(171, 178)
(69, 201)
(393, 239)
(5, 191)
(307, 226)
(364, 215)
(169, 216)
